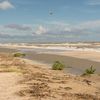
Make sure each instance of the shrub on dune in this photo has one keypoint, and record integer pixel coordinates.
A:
(19, 54)
(89, 71)
(58, 66)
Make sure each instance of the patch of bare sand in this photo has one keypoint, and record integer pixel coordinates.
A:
(9, 86)
(41, 83)
(46, 84)
(90, 55)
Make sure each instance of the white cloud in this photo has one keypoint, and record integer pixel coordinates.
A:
(4, 5)
(54, 29)
(89, 25)
(60, 28)
(93, 2)
(41, 30)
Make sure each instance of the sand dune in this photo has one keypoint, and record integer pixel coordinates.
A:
(21, 79)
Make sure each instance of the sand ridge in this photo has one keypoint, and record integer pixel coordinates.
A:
(40, 83)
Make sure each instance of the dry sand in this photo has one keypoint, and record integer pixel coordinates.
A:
(9, 86)
(10, 77)
(40, 83)
(90, 55)
(46, 84)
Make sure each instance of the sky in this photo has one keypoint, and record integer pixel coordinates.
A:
(50, 20)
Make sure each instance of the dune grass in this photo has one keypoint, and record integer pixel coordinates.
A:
(89, 71)
(58, 66)
(10, 69)
(18, 54)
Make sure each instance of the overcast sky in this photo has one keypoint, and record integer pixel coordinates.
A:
(51, 19)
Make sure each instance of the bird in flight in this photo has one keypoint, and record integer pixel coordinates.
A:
(50, 12)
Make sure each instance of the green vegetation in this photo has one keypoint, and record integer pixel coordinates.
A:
(58, 66)
(10, 69)
(19, 55)
(89, 71)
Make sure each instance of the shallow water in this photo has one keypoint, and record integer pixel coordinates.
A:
(49, 56)
(72, 65)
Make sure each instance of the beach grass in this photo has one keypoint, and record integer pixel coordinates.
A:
(47, 84)
(18, 54)
(10, 69)
(89, 71)
(58, 65)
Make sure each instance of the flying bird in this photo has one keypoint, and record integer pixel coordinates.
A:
(50, 12)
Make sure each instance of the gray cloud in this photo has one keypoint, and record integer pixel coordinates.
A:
(93, 2)
(85, 28)
(89, 28)
(4, 35)
(19, 27)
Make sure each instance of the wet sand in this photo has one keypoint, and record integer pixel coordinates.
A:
(73, 65)
(7, 50)
(76, 65)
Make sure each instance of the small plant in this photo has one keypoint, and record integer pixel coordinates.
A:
(19, 55)
(89, 71)
(58, 66)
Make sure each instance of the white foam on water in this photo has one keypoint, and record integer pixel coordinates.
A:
(55, 47)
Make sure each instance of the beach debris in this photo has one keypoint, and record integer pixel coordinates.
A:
(39, 90)
(88, 82)
(80, 96)
(67, 88)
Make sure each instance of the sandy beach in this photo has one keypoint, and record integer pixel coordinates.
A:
(49, 49)
(77, 65)
(75, 61)
(22, 79)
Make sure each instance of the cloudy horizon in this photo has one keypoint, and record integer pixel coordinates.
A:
(50, 20)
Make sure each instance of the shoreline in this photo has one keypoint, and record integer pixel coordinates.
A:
(77, 50)
(73, 65)
(77, 65)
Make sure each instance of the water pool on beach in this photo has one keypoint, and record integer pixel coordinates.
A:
(49, 56)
